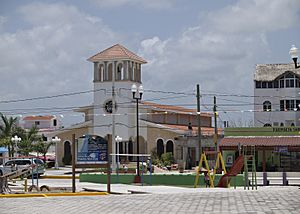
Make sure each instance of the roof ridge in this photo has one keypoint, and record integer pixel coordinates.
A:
(123, 53)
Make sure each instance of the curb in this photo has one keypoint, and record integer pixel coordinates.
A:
(58, 177)
(53, 194)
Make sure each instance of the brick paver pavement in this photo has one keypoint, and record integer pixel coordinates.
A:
(264, 200)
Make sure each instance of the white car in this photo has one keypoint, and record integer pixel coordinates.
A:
(17, 164)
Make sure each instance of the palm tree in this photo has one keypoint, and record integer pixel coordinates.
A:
(43, 147)
(29, 138)
(7, 127)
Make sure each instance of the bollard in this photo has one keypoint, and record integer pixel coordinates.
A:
(284, 179)
(1, 185)
(25, 185)
(265, 179)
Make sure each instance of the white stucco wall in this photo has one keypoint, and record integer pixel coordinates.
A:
(274, 95)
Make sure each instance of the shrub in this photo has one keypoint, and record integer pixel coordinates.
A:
(167, 159)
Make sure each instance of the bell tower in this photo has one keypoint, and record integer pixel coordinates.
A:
(116, 69)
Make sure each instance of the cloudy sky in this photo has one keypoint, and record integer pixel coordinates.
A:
(44, 46)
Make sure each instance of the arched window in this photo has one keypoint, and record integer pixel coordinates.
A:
(134, 72)
(267, 125)
(130, 149)
(101, 72)
(289, 80)
(97, 73)
(120, 72)
(67, 153)
(170, 146)
(297, 81)
(281, 124)
(267, 106)
(159, 147)
(108, 72)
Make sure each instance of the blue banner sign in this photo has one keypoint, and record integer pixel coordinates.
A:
(281, 149)
(91, 149)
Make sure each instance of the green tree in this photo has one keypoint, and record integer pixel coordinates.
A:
(29, 139)
(167, 159)
(155, 159)
(7, 129)
(42, 147)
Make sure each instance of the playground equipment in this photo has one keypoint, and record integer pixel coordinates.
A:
(245, 161)
(249, 164)
(211, 178)
(237, 167)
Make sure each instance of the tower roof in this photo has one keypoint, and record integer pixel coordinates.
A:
(116, 52)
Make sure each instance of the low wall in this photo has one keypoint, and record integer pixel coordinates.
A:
(155, 179)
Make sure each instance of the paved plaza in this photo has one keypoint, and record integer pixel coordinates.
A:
(165, 200)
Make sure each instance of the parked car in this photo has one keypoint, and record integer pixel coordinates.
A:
(17, 164)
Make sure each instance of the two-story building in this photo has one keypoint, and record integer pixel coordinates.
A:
(276, 95)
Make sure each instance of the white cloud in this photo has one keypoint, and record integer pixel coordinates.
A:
(3, 20)
(256, 15)
(220, 52)
(150, 4)
(53, 48)
(49, 55)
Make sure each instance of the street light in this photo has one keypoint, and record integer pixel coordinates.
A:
(137, 93)
(16, 140)
(294, 55)
(56, 140)
(118, 140)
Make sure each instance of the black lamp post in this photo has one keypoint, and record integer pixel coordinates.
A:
(137, 93)
(294, 55)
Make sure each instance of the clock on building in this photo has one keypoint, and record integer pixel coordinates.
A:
(108, 106)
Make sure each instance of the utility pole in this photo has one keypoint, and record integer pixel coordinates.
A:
(73, 163)
(199, 121)
(113, 139)
(216, 128)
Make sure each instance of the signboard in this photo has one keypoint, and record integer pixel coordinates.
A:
(281, 149)
(91, 149)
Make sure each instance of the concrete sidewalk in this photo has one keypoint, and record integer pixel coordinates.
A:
(128, 189)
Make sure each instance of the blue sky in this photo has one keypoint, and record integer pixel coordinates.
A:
(44, 46)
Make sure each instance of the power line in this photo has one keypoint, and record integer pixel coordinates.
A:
(49, 97)
(146, 90)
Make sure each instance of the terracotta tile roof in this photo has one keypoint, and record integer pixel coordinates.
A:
(160, 107)
(261, 141)
(116, 52)
(46, 117)
(206, 131)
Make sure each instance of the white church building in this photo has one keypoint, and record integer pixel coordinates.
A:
(162, 128)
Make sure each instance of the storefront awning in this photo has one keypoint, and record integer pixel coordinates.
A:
(260, 141)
